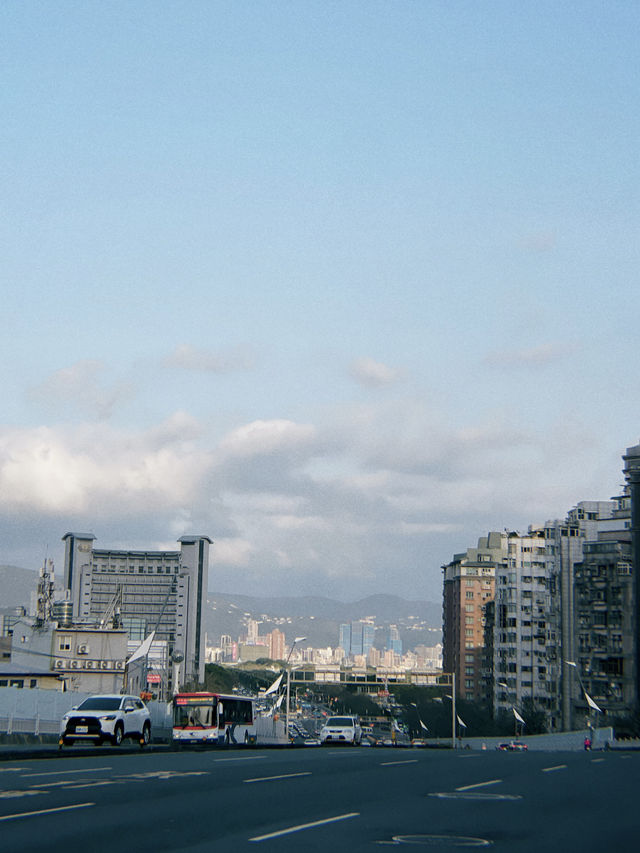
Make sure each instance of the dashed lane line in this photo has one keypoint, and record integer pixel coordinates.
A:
(479, 785)
(46, 811)
(390, 763)
(273, 778)
(552, 769)
(65, 772)
(597, 760)
(244, 758)
(301, 826)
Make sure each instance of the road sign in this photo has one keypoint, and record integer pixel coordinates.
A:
(153, 678)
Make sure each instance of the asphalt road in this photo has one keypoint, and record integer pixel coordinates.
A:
(328, 799)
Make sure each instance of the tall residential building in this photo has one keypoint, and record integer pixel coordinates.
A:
(605, 665)
(564, 544)
(524, 640)
(469, 585)
(632, 476)
(167, 589)
(277, 642)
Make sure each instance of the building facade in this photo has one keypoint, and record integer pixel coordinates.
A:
(469, 586)
(166, 589)
(525, 666)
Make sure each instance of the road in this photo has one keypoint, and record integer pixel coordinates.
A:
(328, 799)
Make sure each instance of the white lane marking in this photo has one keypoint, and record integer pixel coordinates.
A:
(389, 763)
(244, 758)
(301, 826)
(17, 769)
(479, 785)
(46, 811)
(557, 767)
(12, 795)
(283, 776)
(474, 795)
(65, 772)
(625, 756)
(597, 760)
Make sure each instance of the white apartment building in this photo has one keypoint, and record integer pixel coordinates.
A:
(525, 662)
(166, 589)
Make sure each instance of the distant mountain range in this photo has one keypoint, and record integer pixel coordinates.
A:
(319, 619)
(314, 617)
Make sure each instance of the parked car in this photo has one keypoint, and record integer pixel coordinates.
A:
(341, 730)
(109, 717)
(513, 746)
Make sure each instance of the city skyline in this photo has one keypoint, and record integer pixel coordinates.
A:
(344, 287)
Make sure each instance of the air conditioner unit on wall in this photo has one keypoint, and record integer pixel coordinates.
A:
(83, 649)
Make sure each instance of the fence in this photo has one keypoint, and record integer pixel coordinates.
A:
(38, 712)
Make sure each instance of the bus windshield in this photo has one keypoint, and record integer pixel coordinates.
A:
(195, 714)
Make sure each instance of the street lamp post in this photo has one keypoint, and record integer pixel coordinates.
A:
(590, 703)
(513, 708)
(297, 640)
(453, 709)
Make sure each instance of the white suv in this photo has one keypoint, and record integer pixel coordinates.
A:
(110, 717)
(341, 730)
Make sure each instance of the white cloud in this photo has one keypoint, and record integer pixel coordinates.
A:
(538, 356)
(377, 499)
(81, 387)
(261, 438)
(373, 374)
(187, 357)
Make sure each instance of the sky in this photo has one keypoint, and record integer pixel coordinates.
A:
(341, 285)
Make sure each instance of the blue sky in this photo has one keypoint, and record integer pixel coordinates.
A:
(342, 285)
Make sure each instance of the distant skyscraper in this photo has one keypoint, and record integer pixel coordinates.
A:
(345, 638)
(276, 644)
(368, 637)
(394, 643)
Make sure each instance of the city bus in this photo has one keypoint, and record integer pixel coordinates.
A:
(213, 718)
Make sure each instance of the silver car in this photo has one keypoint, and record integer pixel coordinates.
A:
(110, 717)
(341, 730)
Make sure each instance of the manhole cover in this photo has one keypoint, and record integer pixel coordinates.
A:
(474, 795)
(439, 841)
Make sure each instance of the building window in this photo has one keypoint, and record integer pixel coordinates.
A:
(64, 643)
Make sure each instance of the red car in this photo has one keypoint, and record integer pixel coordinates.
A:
(513, 746)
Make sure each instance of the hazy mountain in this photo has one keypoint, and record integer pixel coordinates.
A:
(319, 619)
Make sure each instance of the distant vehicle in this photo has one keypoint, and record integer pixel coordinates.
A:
(109, 717)
(513, 746)
(213, 718)
(341, 730)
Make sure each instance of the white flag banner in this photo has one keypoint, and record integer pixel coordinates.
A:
(591, 703)
(423, 726)
(279, 702)
(461, 723)
(274, 686)
(518, 717)
(143, 649)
